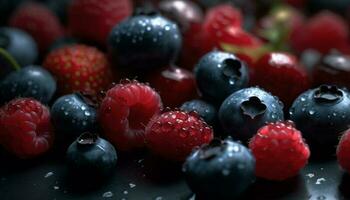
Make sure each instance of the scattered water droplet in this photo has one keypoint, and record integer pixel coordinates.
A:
(321, 197)
(159, 198)
(310, 175)
(225, 172)
(132, 185)
(48, 174)
(311, 112)
(320, 180)
(108, 194)
(87, 113)
(56, 187)
(125, 192)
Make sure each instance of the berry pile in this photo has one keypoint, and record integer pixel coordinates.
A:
(229, 90)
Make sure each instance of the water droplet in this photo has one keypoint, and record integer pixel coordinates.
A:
(125, 192)
(167, 28)
(131, 185)
(159, 198)
(310, 175)
(108, 194)
(87, 113)
(83, 108)
(84, 123)
(56, 187)
(311, 112)
(225, 172)
(48, 174)
(319, 181)
(66, 113)
(302, 99)
(321, 197)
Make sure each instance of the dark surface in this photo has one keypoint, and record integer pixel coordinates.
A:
(153, 179)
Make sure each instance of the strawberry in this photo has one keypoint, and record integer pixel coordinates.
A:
(93, 19)
(79, 68)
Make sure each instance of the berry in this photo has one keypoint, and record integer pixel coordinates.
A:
(220, 17)
(125, 111)
(322, 114)
(173, 81)
(333, 68)
(73, 115)
(279, 150)
(323, 32)
(220, 170)
(173, 135)
(246, 110)
(93, 19)
(79, 68)
(31, 81)
(189, 16)
(205, 110)
(91, 155)
(219, 74)
(343, 151)
(19, 44)
(145, 41)
(277, 72)
(26, 128)
(39, 22)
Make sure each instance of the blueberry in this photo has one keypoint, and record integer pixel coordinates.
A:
(145, 41)
(247, 110)
(31, 81)
(322, 114)
(205, 110)
(219, 74)
(19, 44)
(91, 155)
(220, 170)
(73, 115)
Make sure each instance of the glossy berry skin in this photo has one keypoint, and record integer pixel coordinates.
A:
(277, 72)
(323, 32)
(19, 44)
(144, 42)
(91, 155)
(343, 151)
(205, 110)
(334, 69)
(26, 128)
(31, 81)
(279, 150)
(175, 85)
(223, 169)
(174, 134)
(321, 115)
(246, 110)
(125, 112)
(40, 22)
(219, 74)
(79, 68)
(73, 115)
(92, 20)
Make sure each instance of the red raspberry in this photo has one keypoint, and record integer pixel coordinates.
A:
(40, 22)
(93, 19)
(125, 112)
(282, 75)
(26, 129)
(323, 32)
(79, 68)
(173, 135)
(279, 150)
(172, 81)
(343, 151)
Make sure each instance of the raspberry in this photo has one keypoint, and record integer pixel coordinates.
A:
(26, 129)
(279, 150)
(125, 112)
(343, 151)
(173, 135)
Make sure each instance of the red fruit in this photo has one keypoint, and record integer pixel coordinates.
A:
(173, 135)
(79, 68)
(175, 85)
(343, 151)
(279, 150)
(220, 17)
(238, 37)
(26, 129)
(93, 19)
(323, 32)
(125, 112)
(40, 22)
(282, 75)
